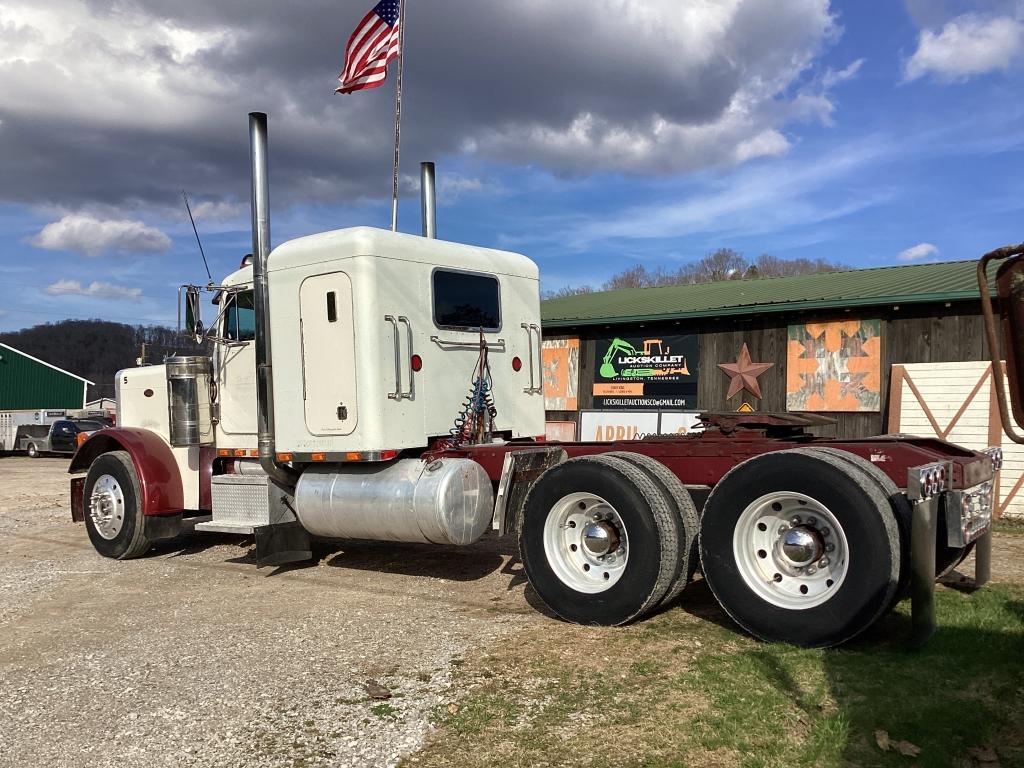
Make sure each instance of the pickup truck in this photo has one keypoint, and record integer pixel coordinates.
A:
(59, 437)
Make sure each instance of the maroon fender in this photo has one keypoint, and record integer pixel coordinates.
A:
(159, 479)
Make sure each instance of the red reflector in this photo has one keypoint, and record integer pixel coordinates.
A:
(388, 455)
(517, 364)
(416, 362)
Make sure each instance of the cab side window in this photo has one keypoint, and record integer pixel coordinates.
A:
(240, 317)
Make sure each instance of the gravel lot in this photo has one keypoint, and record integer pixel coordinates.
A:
(192, 656)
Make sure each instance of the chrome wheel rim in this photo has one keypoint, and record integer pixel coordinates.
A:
(106, 507)
(790, 550)
(586, 543)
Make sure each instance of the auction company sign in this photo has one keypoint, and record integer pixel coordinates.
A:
(646, 372)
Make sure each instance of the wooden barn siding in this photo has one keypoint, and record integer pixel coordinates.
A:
(917, 334)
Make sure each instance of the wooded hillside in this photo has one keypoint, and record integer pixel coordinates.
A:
(97, 349)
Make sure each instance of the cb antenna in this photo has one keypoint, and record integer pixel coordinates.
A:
(198, 241)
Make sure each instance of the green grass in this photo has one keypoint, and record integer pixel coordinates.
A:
(1011, 525)
(678, 691)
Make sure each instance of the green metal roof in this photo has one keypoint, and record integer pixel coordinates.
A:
(912, 284)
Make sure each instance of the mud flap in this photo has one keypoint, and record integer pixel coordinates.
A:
(520, 471)
(78, 499)
(160, 527)
(281, 543)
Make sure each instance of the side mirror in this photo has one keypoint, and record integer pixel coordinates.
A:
(1010, 289)
(193, 314)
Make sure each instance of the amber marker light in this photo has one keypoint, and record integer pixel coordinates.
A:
(284, 457)
(318, 457)
(240, 453)
(223, 451)
(353, 456)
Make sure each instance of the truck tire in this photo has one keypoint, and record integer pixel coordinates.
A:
(946, 557)
(598, 541)
(33, 451)
(688, 524)
(113, 514)
(801, 547)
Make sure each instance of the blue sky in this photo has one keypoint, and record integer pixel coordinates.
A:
(888, 133)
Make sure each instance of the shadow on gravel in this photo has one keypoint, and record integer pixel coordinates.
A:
(433, 561)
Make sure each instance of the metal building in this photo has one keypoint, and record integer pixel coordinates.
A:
(27, 383)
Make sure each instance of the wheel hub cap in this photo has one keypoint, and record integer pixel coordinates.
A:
(600, 538)
(801, 546)
(106, 507)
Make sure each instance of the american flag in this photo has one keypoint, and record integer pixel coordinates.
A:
(371, 48)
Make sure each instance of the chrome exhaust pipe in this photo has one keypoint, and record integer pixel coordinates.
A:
(280, 474)
(428, 200)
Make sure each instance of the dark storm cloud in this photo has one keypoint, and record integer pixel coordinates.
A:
(124, 104)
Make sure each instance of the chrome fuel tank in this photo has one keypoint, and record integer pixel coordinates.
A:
(448, 501)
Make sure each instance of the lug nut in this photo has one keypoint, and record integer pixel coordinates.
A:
(829, 547)
(825, 531)
(812, 521)
(823, 562)
(811, 570)
(783, 529)
(796, 520)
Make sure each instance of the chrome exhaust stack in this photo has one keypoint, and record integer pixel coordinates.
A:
(428, 200)
(279, 473)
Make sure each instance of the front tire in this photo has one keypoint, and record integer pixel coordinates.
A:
(113, 512)
(800, 547)
(598, 541)
(33, 451)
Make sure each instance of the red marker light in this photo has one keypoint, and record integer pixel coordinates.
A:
(416, 363)
(517, 364)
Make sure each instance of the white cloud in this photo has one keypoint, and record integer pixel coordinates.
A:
(756, 200)
(220, 210)
(95, 290)
(967, 45)
(919, 251)
(91, 236)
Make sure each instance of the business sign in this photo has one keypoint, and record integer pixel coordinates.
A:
(560, 431)
(610, 425)
(605, 426)
(638, 372)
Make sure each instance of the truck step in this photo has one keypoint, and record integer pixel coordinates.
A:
(225, 526)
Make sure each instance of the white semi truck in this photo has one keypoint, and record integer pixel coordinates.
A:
(374, 385)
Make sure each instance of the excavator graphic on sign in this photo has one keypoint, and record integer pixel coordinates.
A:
(618, 346)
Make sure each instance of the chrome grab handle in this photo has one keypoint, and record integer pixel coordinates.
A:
(528, 327)
(492, 346)
(540, 361)
(397, 394)
(411, 394)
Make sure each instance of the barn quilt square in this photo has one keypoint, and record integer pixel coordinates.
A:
(561, 363)
(834, 366)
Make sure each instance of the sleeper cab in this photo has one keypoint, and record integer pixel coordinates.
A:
(376, 340)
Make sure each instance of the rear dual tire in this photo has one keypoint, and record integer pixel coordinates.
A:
(582, 505)
(764, 541)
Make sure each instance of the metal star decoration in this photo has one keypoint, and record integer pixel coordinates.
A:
(743, 374)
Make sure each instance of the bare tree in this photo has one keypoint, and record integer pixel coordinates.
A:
(721, 264)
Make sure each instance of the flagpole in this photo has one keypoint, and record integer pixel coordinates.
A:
(398, 115)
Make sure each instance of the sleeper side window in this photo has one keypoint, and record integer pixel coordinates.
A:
(466, 301)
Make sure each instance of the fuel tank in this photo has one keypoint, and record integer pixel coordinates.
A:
(447, 501)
